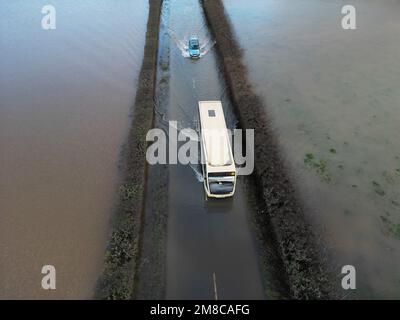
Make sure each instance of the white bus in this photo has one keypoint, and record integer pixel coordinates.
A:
(218, 164)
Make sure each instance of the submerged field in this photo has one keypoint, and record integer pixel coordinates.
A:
(333, 99)
(65, 99)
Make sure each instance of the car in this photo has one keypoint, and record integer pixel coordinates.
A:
(194, 47)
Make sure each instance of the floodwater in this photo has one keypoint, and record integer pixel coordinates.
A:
(211, 249)
(65, 99)
(334, 99)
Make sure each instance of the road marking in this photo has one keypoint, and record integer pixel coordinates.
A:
(215, 286)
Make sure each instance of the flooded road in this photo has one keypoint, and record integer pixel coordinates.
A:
(334, 99)
(65, 99)
(211, 250)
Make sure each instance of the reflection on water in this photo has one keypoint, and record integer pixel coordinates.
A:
(65, 96)
(334, 98)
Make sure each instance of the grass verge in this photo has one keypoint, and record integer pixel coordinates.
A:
(307, 274)
(119, 276)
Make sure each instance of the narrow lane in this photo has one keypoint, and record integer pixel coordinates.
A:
(211, 252)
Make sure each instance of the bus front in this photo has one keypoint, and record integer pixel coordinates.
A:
(221, 184)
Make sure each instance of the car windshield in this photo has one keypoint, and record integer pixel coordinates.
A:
(194, 45)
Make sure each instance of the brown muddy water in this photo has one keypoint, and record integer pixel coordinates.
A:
(65, 99)
(334, 101)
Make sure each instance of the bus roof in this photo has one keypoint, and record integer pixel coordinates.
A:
(215, 135)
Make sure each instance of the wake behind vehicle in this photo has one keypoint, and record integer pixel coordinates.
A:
(219, 171)
(194, 47)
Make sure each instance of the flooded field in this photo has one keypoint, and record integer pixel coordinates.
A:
(65, 99)
(333, 98)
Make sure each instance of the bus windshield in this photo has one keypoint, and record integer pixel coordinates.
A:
(221, 187)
